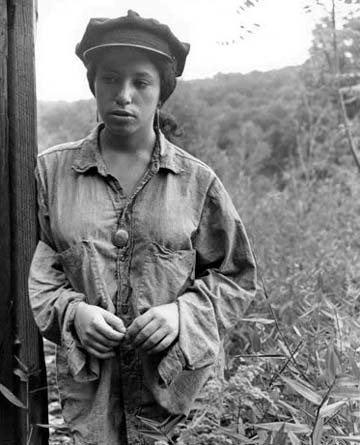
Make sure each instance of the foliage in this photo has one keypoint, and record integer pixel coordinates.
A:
(64, 121)
(278, 142)
(303, 237)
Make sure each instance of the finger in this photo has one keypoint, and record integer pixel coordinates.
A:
(114, 321)
(164, 344)
(96, 337)
(145, 333)
(154, 340)
(103, 328)
(99, 347)
(100, 355)
(139, 323)
(161, 346)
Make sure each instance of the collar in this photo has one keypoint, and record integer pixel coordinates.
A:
(169, 160)
(89, 155)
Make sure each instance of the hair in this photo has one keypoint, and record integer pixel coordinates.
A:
(167, 73)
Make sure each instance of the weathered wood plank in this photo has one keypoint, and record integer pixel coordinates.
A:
(7, 412)
(22, 152)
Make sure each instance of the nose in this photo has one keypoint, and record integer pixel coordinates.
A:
(123, 94)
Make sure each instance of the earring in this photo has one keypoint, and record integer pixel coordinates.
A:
(157, 119)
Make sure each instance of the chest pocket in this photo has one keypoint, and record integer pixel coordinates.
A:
(81, 268)
(166, 274)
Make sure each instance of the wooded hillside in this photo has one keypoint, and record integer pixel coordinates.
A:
(278, 142)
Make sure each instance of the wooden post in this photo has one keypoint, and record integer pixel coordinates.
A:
(7, 411)
(18, 225)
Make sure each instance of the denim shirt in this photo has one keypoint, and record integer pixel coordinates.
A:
(181, 241)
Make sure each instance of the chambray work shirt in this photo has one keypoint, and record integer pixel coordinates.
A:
(181, 240)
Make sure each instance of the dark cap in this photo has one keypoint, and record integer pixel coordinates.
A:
(135, 31)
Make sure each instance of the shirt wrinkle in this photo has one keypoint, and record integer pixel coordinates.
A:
(177, 238)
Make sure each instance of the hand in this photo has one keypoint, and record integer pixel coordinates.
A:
(156, 329)
(99, 330)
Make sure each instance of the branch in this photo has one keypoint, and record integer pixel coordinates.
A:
(348, 131)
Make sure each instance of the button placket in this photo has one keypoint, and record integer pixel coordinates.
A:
(121, 238)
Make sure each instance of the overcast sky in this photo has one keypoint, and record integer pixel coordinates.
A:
(283, 37)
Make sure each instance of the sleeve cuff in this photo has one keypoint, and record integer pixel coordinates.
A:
(83, 367)
(171, 365)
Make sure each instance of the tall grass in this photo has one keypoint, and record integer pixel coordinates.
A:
(293, 374)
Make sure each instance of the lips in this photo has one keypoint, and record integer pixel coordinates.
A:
(122, 113)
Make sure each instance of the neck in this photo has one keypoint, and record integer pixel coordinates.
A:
(134, 143)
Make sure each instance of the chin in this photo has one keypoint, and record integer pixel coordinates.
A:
(121, 130)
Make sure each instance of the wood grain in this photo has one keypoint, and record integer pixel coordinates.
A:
(7, 412)
(22, 150)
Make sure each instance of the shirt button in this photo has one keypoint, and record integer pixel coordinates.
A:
(120, 238)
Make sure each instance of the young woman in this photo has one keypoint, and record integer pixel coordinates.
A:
(143, 262)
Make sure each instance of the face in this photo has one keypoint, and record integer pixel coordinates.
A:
(127, 91)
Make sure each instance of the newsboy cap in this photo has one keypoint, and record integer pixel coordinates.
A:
(135, 31)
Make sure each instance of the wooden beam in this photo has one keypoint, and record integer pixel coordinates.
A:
(7, 411)
(22, 153)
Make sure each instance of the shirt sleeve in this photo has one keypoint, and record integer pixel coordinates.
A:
(52, 299)
(224, 285)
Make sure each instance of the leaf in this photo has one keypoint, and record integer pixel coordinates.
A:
(268, 439)
(293, 411)
(293, 439)
(333, 365)
(346, 388)
(354, 367)
(305, 391)
(281, 436)
(22, 365)
(282, 357)
(329, 410)
(244, 440)
(317, 431)
(52, 425)
(21, 374)
(171, 422)
(11, 397)
(152, 435)
(159, 431)
(255, 341)
(276, 426)
(149, 422)
(258, 320)
(350, 438)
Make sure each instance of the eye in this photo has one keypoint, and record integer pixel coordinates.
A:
(141, 83)
(108, 78)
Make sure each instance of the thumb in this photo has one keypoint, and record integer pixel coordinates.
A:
(114, 321)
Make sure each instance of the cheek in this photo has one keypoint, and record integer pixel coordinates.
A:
(101, 89)
(95, 86)
(153, 99)
(102, 96)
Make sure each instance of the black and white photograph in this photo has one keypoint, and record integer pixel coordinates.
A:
(180, 200)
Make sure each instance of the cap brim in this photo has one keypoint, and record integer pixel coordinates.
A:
(92, 51)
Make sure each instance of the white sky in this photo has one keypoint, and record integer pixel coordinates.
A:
(283, 38)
